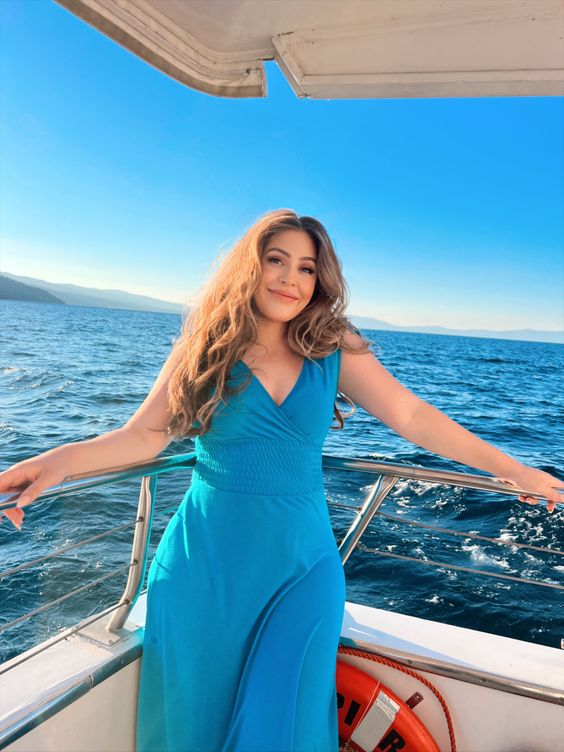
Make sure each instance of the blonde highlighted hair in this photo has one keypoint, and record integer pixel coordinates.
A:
(219, 330)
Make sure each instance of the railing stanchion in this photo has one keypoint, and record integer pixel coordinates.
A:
(139, 552)
(371, 505)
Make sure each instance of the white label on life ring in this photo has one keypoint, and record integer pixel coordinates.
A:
(377, 720)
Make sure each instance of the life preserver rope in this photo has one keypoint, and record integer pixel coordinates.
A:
(394, 664)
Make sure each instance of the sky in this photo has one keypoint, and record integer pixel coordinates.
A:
(443, 211)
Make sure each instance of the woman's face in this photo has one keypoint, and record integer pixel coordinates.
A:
(289, 265)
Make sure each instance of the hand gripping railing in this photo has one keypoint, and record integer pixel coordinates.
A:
(148, 472)
(387, 476)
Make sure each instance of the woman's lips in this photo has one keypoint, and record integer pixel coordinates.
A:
(282, 296)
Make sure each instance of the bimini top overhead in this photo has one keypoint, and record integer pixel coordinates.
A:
(344, 49)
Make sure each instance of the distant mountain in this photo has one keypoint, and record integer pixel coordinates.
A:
(530, 335)
(10, 289)
(90, 296)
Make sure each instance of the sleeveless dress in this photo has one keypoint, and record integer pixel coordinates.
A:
(246, 591)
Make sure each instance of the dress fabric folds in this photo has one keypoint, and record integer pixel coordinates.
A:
(246, 590)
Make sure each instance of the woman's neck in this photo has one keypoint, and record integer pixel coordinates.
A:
(272, 335)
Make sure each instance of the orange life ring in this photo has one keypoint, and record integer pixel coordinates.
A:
(373, 719)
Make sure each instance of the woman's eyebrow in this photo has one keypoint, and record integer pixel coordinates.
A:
(274, 248)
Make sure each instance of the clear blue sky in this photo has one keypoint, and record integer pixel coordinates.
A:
(445, 212)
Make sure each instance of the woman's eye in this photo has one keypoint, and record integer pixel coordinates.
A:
(276, 259)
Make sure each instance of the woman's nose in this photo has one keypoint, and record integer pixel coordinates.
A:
(287, 274)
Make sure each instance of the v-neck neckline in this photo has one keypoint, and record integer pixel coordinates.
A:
(265, 390)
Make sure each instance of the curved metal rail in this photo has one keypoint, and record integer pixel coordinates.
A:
(148, 472)
(387, 476)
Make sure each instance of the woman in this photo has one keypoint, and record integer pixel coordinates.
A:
(246, 590)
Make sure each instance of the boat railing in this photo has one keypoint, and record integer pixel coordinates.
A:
(386, 476)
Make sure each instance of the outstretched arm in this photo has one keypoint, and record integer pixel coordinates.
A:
(135, 441)
(365, 380)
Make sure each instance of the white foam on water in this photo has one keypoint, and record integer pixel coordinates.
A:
(479, 556)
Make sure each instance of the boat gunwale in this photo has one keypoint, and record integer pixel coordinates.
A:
(130, 647)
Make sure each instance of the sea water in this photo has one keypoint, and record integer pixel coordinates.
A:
(70, 373)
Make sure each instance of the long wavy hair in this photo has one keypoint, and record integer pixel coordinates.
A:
(221, 327)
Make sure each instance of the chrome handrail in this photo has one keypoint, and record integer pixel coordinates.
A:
(388, 475)
(148, 471)
(83, 481)
(94, 478)
(438, 477)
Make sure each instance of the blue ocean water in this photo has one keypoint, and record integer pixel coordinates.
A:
(70, 373)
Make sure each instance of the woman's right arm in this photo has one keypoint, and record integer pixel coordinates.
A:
(133, 442)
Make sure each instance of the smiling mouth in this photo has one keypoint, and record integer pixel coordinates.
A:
(282, 296)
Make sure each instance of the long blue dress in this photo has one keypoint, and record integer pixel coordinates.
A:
(246, 590)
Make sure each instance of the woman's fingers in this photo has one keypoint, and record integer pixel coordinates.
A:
(26, 481)
(528, 499)
(30, 494)
(538, 479)
(555, 496)
(15, 478)
(15, 515)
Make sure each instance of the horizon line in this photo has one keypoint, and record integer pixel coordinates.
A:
(350, 314)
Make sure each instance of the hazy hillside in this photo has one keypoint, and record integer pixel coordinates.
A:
(90, 296)
(11, 289)
(530, 335)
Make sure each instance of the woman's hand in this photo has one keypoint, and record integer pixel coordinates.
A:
(31, 477)
(538, 481)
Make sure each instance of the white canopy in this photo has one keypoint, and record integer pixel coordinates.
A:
(344, 49)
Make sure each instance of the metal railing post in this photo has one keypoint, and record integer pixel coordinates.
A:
(371, 505)
(139, 552)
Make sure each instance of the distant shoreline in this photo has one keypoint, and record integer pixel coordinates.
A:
(40, 291)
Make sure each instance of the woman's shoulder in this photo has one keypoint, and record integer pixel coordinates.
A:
(349, 341)
(353, 343)
(352, 339)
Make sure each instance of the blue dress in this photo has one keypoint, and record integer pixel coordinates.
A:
(246, 590)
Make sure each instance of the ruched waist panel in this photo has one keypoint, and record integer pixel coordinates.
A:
(260, 466)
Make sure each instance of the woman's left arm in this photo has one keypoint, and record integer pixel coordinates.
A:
(435, 431)
(365, 380)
